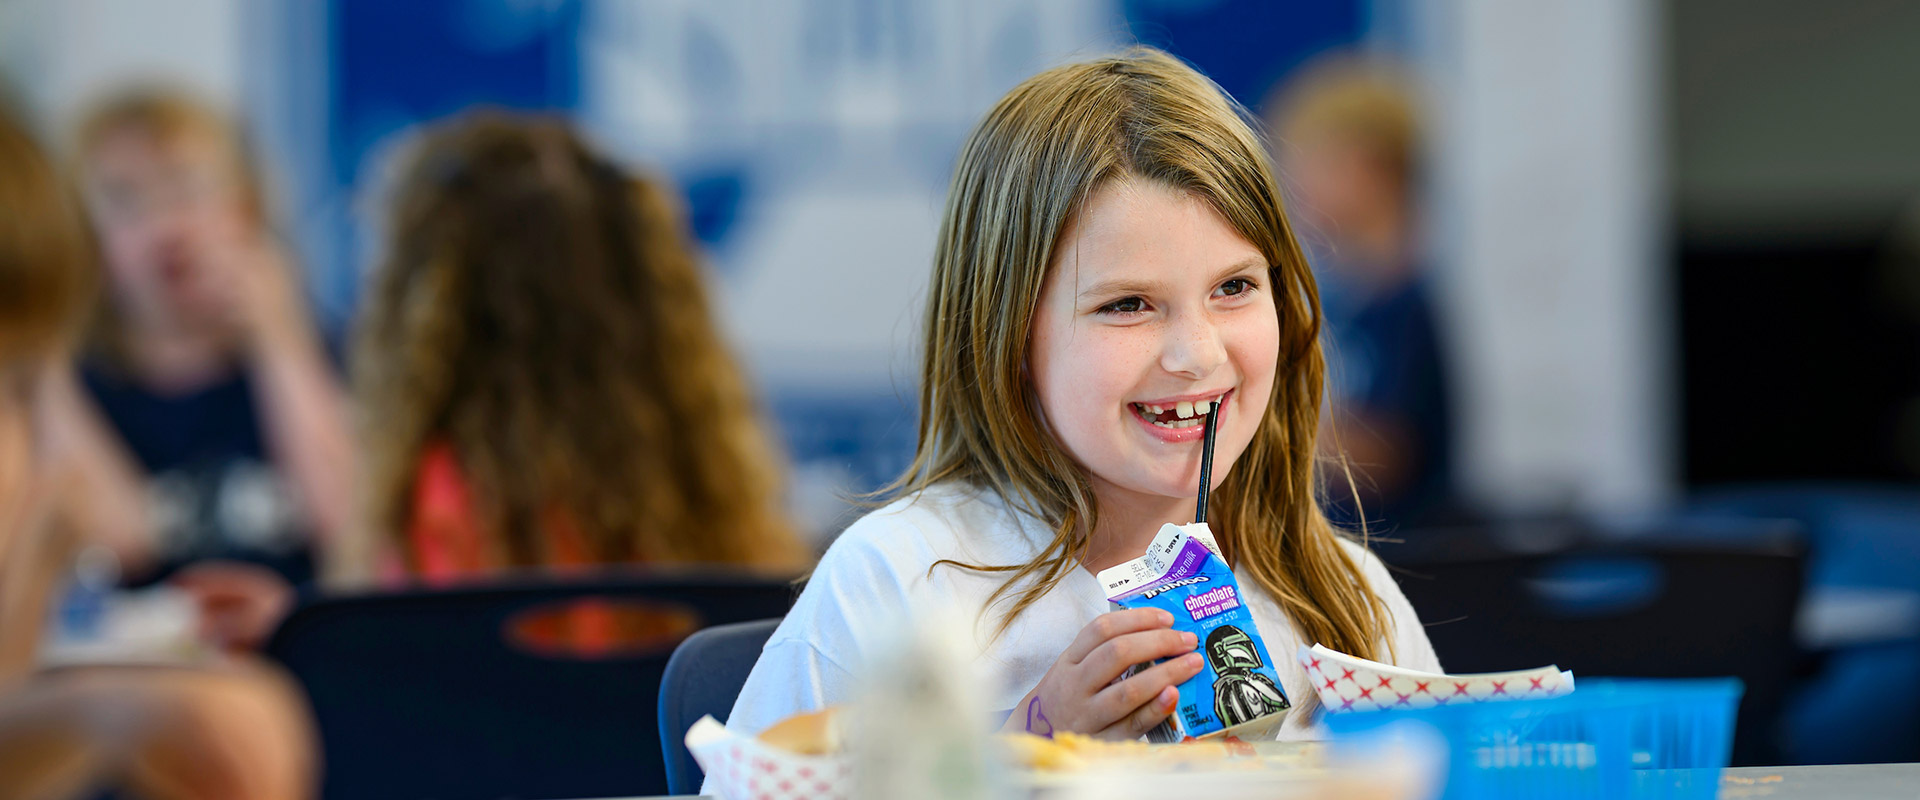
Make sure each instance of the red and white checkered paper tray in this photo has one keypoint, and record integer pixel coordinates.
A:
(1346, 683)
(744, 768)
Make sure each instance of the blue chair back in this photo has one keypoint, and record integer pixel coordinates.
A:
(704, 677)
(438, 694)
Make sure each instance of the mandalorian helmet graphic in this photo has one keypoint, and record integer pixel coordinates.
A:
(1230, 649)
(1245, 696)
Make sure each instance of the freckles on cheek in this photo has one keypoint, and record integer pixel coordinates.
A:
(1108, 363)
(1255, 340)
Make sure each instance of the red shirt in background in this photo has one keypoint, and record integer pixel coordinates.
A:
(449, 546)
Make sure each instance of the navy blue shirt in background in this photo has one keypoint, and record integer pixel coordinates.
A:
(212, 485)
(1384, 357)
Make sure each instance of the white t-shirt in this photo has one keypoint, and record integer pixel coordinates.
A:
(878, 568)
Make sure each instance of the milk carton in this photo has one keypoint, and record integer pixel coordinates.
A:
(1238, 692)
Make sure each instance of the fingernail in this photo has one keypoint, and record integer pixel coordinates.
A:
(1189, 639)
(1194, 660)
(1169, 697)
(1166, 616)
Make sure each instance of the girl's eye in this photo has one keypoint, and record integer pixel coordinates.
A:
(1125, 305)
(1236, 286)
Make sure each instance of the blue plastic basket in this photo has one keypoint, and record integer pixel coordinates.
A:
(1609, 739)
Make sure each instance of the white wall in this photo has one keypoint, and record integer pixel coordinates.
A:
(61, 54)
(1550, 218)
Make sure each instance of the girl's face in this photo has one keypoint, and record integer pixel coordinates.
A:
(1153, 307)
(165, 210)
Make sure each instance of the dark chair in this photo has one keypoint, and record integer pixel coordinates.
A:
(1860, 534)
(1642, 599)
(704, 677)
(457, 694)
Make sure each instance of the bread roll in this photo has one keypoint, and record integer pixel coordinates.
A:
(814, 734)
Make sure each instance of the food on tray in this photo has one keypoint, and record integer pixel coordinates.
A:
(1028, 751)
(817, 733)
(1071, 752)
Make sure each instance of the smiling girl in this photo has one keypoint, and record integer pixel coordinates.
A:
(1113, 261)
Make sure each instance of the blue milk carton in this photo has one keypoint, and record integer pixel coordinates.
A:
(1238, 692)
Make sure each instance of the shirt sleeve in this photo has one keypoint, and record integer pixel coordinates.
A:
(855, 591)
(791, 677)
(1411, 648)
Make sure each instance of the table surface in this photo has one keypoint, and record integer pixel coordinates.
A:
(1837, 782)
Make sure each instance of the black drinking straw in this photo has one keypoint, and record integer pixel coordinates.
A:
(1206, 465)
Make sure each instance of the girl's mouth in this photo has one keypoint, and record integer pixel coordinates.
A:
(1180, 420)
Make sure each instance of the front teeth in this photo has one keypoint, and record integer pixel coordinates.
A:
(1188, 413)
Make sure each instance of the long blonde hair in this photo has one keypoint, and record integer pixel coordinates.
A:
(47, 277)
(1023, 174)
(542, 312)
(47, 268)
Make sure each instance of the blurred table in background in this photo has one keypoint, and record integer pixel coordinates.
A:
(1834, 617)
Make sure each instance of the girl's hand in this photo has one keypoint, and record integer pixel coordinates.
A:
(240, 604)
(1078, 693)
(260, 295)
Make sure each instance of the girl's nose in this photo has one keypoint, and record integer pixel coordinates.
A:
(1194, 349)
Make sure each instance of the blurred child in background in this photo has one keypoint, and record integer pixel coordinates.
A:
(225, 435)
(541, 381)
(236, 734)
(1349, 141)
